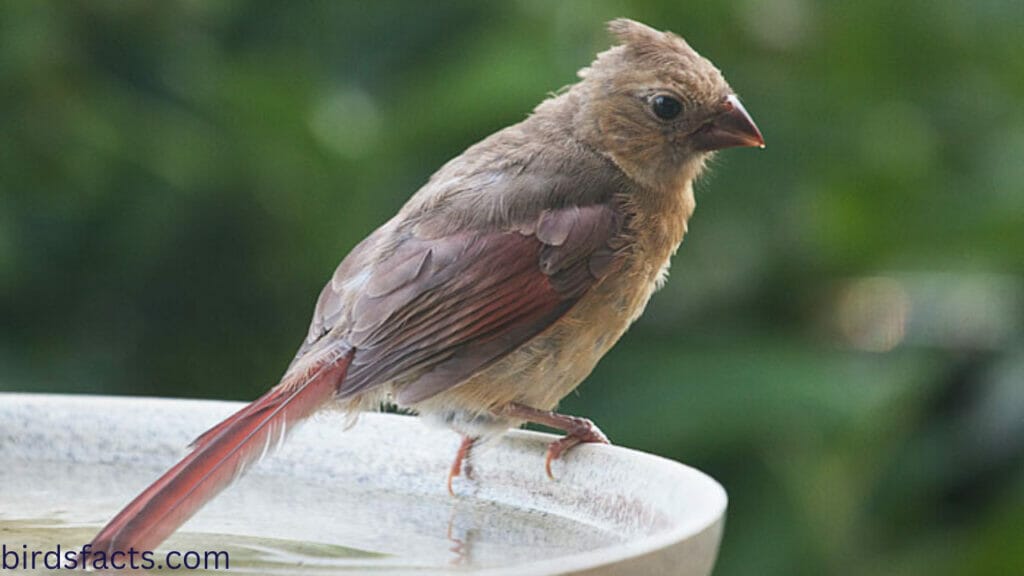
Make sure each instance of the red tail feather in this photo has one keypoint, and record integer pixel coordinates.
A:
(220, 455)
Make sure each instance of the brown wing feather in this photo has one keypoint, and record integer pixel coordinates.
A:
(436, 311)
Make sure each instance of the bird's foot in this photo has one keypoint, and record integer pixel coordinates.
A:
(461, 461)
(578, 430)
(586, 432)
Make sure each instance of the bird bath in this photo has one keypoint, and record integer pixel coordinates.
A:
(369, 499)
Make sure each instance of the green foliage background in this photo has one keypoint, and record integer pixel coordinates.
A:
(841, 343)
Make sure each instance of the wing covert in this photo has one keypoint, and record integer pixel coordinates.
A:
(435, 311)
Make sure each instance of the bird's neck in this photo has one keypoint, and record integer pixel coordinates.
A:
(660, 218)
(660, 203)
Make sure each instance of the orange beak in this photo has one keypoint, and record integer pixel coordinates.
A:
(730, 128)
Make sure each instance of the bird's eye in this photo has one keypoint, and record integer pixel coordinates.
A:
(666, 107)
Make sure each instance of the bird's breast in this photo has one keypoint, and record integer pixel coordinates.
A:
(549, 366)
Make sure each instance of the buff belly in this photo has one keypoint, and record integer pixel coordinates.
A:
(551, 365)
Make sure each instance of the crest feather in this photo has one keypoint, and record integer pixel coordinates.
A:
(631, 33)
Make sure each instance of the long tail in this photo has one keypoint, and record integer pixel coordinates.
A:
(222, 454)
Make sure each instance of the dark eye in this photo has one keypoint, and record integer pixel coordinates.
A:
(666, 107)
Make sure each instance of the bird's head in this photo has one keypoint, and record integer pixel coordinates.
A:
(657, 108)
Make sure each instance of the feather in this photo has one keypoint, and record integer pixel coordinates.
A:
(223, 453)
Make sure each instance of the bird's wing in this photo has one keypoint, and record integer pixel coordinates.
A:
(435, 311)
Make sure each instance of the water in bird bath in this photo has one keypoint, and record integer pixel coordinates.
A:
(280, 525)
(369, 499)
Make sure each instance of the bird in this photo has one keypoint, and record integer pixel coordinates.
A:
(501, 282)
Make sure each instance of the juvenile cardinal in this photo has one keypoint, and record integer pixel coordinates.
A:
(499, 285)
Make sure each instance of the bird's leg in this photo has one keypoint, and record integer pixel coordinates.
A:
(461, 457)
(578, 430)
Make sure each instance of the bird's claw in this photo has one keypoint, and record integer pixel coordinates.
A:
(580, 431)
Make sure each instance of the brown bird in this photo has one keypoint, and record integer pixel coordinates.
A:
(499, 285)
